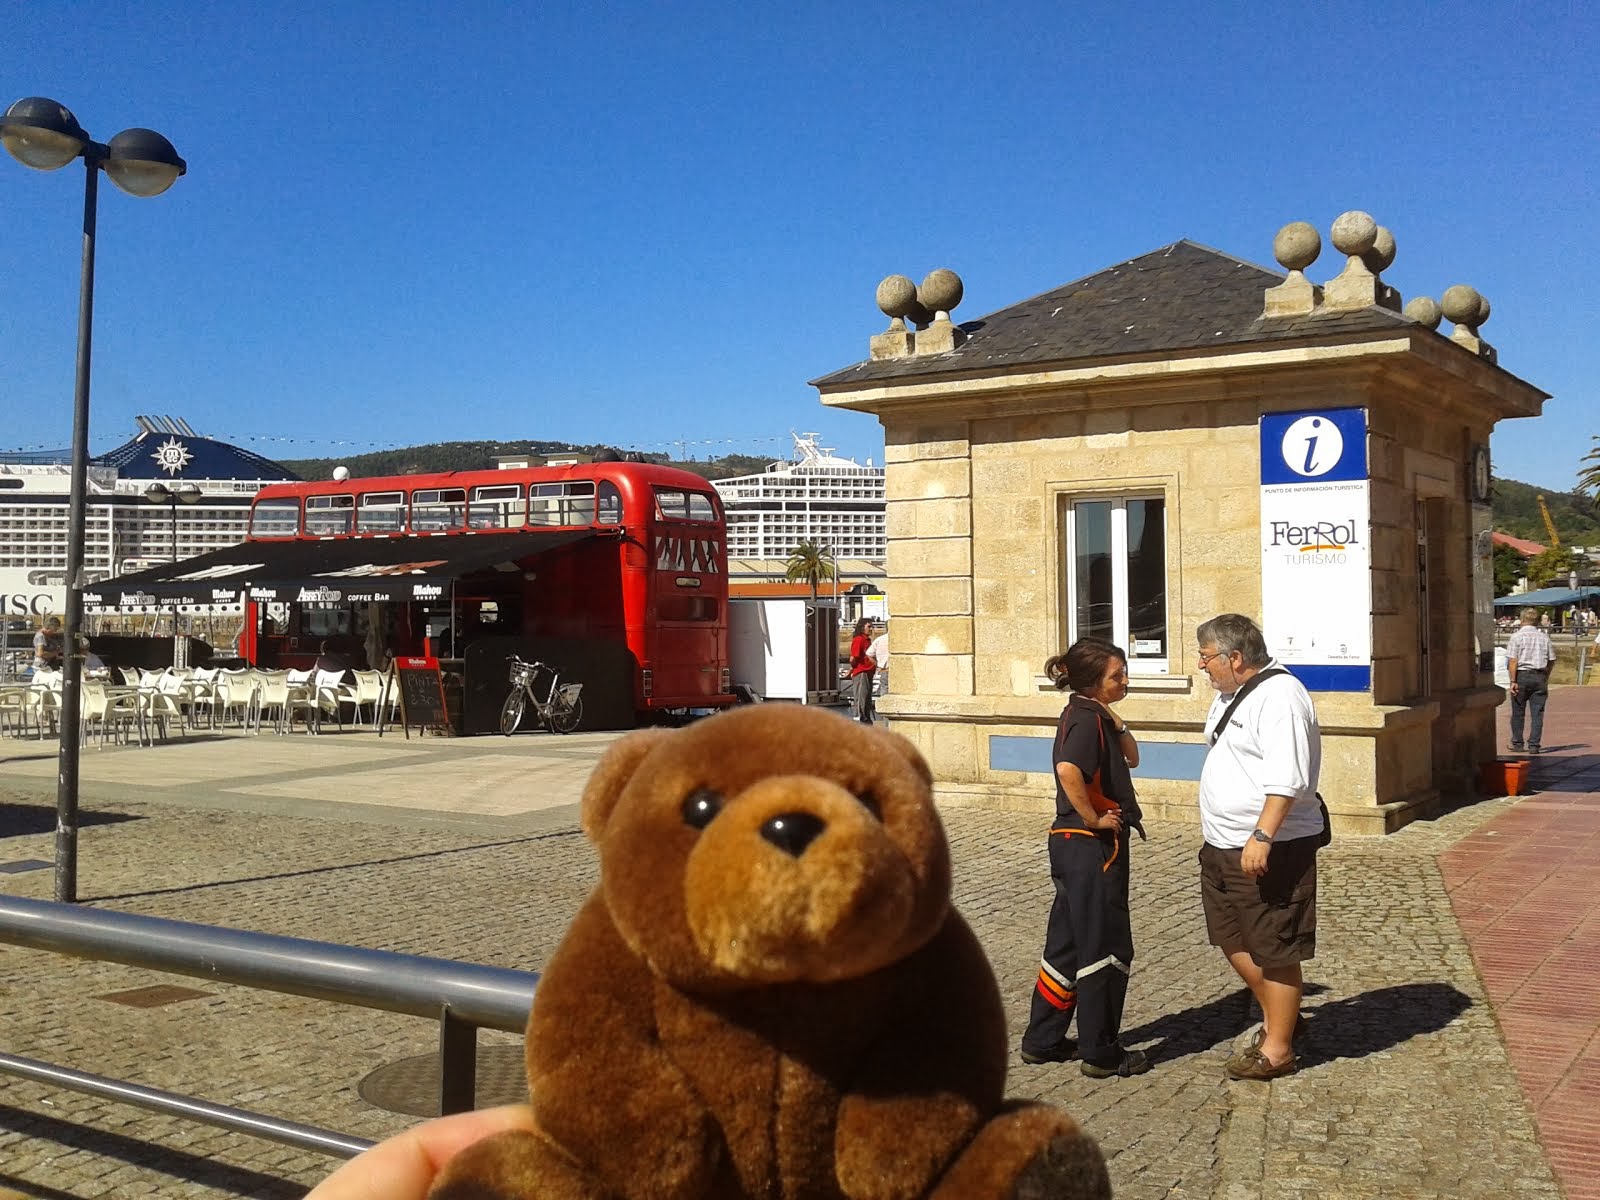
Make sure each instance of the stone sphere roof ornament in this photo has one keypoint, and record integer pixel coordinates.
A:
(1463, 304)
(897, 295)
(1381, 256)
(1354, 233)
(1297, 245)
(1424, 310)
(940, 292)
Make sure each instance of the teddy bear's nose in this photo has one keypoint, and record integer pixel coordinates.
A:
(792, 832)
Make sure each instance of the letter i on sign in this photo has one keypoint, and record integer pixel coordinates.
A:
(1312, 446)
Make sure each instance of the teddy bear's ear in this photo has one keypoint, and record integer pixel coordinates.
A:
(908, 751)
(611, 775)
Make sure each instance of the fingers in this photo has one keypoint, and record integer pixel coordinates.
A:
(403, 1167)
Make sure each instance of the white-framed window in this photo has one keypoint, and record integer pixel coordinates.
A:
(1115, 564)
(329, 516)
(381, 512)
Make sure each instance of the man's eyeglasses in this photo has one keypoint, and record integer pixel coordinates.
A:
(1205, 659)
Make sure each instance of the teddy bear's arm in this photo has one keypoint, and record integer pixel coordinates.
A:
(602, 1086)
(934, 1077)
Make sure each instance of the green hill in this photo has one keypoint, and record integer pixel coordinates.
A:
(1516, 511)
(480, 456)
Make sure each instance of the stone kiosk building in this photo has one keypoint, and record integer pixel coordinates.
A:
(1177, 436)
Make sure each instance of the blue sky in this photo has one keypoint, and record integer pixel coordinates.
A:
(652, 224)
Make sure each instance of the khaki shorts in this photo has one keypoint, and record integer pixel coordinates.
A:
(1273, 917)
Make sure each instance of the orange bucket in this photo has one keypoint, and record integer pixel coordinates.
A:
(1503, 776)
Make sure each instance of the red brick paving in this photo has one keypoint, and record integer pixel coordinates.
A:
(1525, 887)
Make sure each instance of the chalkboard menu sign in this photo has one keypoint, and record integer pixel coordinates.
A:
(421, 692)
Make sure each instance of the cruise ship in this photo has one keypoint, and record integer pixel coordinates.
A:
(203, 503)
(817, 497)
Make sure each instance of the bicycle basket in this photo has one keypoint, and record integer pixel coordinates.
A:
(569, 691)
(521, 672)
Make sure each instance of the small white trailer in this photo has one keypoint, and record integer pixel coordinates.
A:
(785, 649)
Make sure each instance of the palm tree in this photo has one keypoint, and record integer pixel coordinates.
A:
(1589, 476)
(810, 563)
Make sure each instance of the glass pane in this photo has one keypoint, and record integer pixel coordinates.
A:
(1092, 570)
(1147, 579)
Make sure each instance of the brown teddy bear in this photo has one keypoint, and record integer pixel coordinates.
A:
(769, 994)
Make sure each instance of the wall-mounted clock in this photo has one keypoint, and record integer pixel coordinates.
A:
(1480, 474)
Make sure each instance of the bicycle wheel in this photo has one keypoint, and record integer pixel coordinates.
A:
(565, 714)
(511, 713)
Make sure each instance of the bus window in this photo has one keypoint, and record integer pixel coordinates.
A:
(610, 503)
(496, 506)
(381, 512)
(328, 516)
(684, 506)
(561, 503)
(434, 510)
(275, 518)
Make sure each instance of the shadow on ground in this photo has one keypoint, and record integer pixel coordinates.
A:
(176, 1164)
(1350, 1028)
(17, 820)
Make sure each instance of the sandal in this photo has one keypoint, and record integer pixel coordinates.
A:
(1252, 1064)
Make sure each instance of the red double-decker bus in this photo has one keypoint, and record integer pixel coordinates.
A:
(616, 572)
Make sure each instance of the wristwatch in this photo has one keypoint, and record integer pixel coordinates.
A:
(1122, 731)
(1261, 835)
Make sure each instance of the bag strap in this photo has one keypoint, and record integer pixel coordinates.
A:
(1243, 691)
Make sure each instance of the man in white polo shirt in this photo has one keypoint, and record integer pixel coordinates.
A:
(1263, 824)
(1528, 658)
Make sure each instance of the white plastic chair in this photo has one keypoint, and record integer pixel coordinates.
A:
(112, 710)
(369, 690)
(272, 695)
(234, 692)
(15, 708)
(332, 693)
(203, 695)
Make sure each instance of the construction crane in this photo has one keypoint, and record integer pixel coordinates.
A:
(1549, 525)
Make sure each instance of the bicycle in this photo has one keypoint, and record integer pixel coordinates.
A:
(561, 708)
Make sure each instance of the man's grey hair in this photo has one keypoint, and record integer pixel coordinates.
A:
(1530, 616)
(1235, 631)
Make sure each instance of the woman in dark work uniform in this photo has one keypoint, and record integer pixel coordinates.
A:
(1088, 945)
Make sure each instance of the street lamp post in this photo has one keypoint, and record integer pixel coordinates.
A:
(44, 135)
(184, 493)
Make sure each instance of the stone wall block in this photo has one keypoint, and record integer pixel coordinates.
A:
(925, 557)
(938, 636)
(942, 518)
(930, 479)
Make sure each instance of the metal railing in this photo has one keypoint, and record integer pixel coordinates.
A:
(462, 997)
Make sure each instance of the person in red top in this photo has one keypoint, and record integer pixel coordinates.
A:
(862, 667)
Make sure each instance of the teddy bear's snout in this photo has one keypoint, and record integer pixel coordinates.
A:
(793, 832)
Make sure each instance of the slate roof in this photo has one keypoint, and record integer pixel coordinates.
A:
(1181, 297)
(200, 458)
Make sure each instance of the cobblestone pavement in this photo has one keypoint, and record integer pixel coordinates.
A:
(1407, 1090)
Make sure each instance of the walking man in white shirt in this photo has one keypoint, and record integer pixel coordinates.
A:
(1263, 823)
(1528, 658)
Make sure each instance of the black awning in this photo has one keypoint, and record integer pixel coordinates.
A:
(333, 571)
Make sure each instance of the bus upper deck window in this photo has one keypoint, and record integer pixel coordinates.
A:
(382, 512)
(673, 504)
(278, 518)
(329, 516)
(561, 503)
(496, 506)
(434, 510)
(610, 504)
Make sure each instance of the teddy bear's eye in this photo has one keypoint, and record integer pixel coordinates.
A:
(869, 801)
(700, 807)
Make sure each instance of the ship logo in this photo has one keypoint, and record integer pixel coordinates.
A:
(172, 456)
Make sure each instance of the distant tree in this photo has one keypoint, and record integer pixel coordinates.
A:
(810, 563)
(1552, 568)
(1509, 567)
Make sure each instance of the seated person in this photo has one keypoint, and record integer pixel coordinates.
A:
(47, 646)
(92, 662)
(334, 664)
